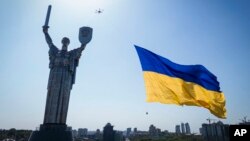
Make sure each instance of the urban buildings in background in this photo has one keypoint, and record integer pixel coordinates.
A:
(153, 131)
(188, 130)
(135, 130)
(183, 129)
(215, 131)
(218, 131)
(177, 129)
(211, 131)
(82, 132)
(108, 133)
(128, 132)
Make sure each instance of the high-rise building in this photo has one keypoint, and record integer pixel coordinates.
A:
(152, 130)
(177, 129)
(183, 128)
(82, 132)
(158, 131)
(74, 133)
(108, 133)
(135, 130)
(215, 131)
(128, 132)
(98, 134)
(188, 130)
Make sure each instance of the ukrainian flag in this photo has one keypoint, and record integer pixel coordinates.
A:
(170, 83)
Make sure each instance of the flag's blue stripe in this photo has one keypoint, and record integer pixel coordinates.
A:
(191, 73)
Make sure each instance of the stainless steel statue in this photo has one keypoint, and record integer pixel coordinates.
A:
(63, 64)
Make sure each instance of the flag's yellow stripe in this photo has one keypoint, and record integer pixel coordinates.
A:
(170, 90)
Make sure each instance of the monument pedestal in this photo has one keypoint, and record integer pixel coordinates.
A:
(52, 132)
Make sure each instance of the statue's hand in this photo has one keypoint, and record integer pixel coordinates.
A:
(85, 35)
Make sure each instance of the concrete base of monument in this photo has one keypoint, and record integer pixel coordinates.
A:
(52, 132)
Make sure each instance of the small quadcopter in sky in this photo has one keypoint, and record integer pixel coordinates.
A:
(99, 11)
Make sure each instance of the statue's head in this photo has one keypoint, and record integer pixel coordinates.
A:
(65, 43)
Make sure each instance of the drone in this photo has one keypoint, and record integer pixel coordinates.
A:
(99, 11)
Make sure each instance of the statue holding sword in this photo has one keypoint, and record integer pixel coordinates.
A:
(62, 66)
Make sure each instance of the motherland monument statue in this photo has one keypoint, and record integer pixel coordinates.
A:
(63, 64)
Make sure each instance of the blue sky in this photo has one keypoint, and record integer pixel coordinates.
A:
(109, 81)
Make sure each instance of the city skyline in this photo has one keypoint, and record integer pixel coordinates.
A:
(109, 83)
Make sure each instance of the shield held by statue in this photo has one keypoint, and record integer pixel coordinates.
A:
(85, 34)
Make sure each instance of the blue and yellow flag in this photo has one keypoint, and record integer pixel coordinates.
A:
(170, 83)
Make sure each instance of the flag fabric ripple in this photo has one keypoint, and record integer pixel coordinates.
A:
(170, 83)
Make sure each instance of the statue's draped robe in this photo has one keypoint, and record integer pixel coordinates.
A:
(61, 78)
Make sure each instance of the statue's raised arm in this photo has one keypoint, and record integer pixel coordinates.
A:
(46, 27)
(47, 37)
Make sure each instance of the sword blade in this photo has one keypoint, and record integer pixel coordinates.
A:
(46, 24)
